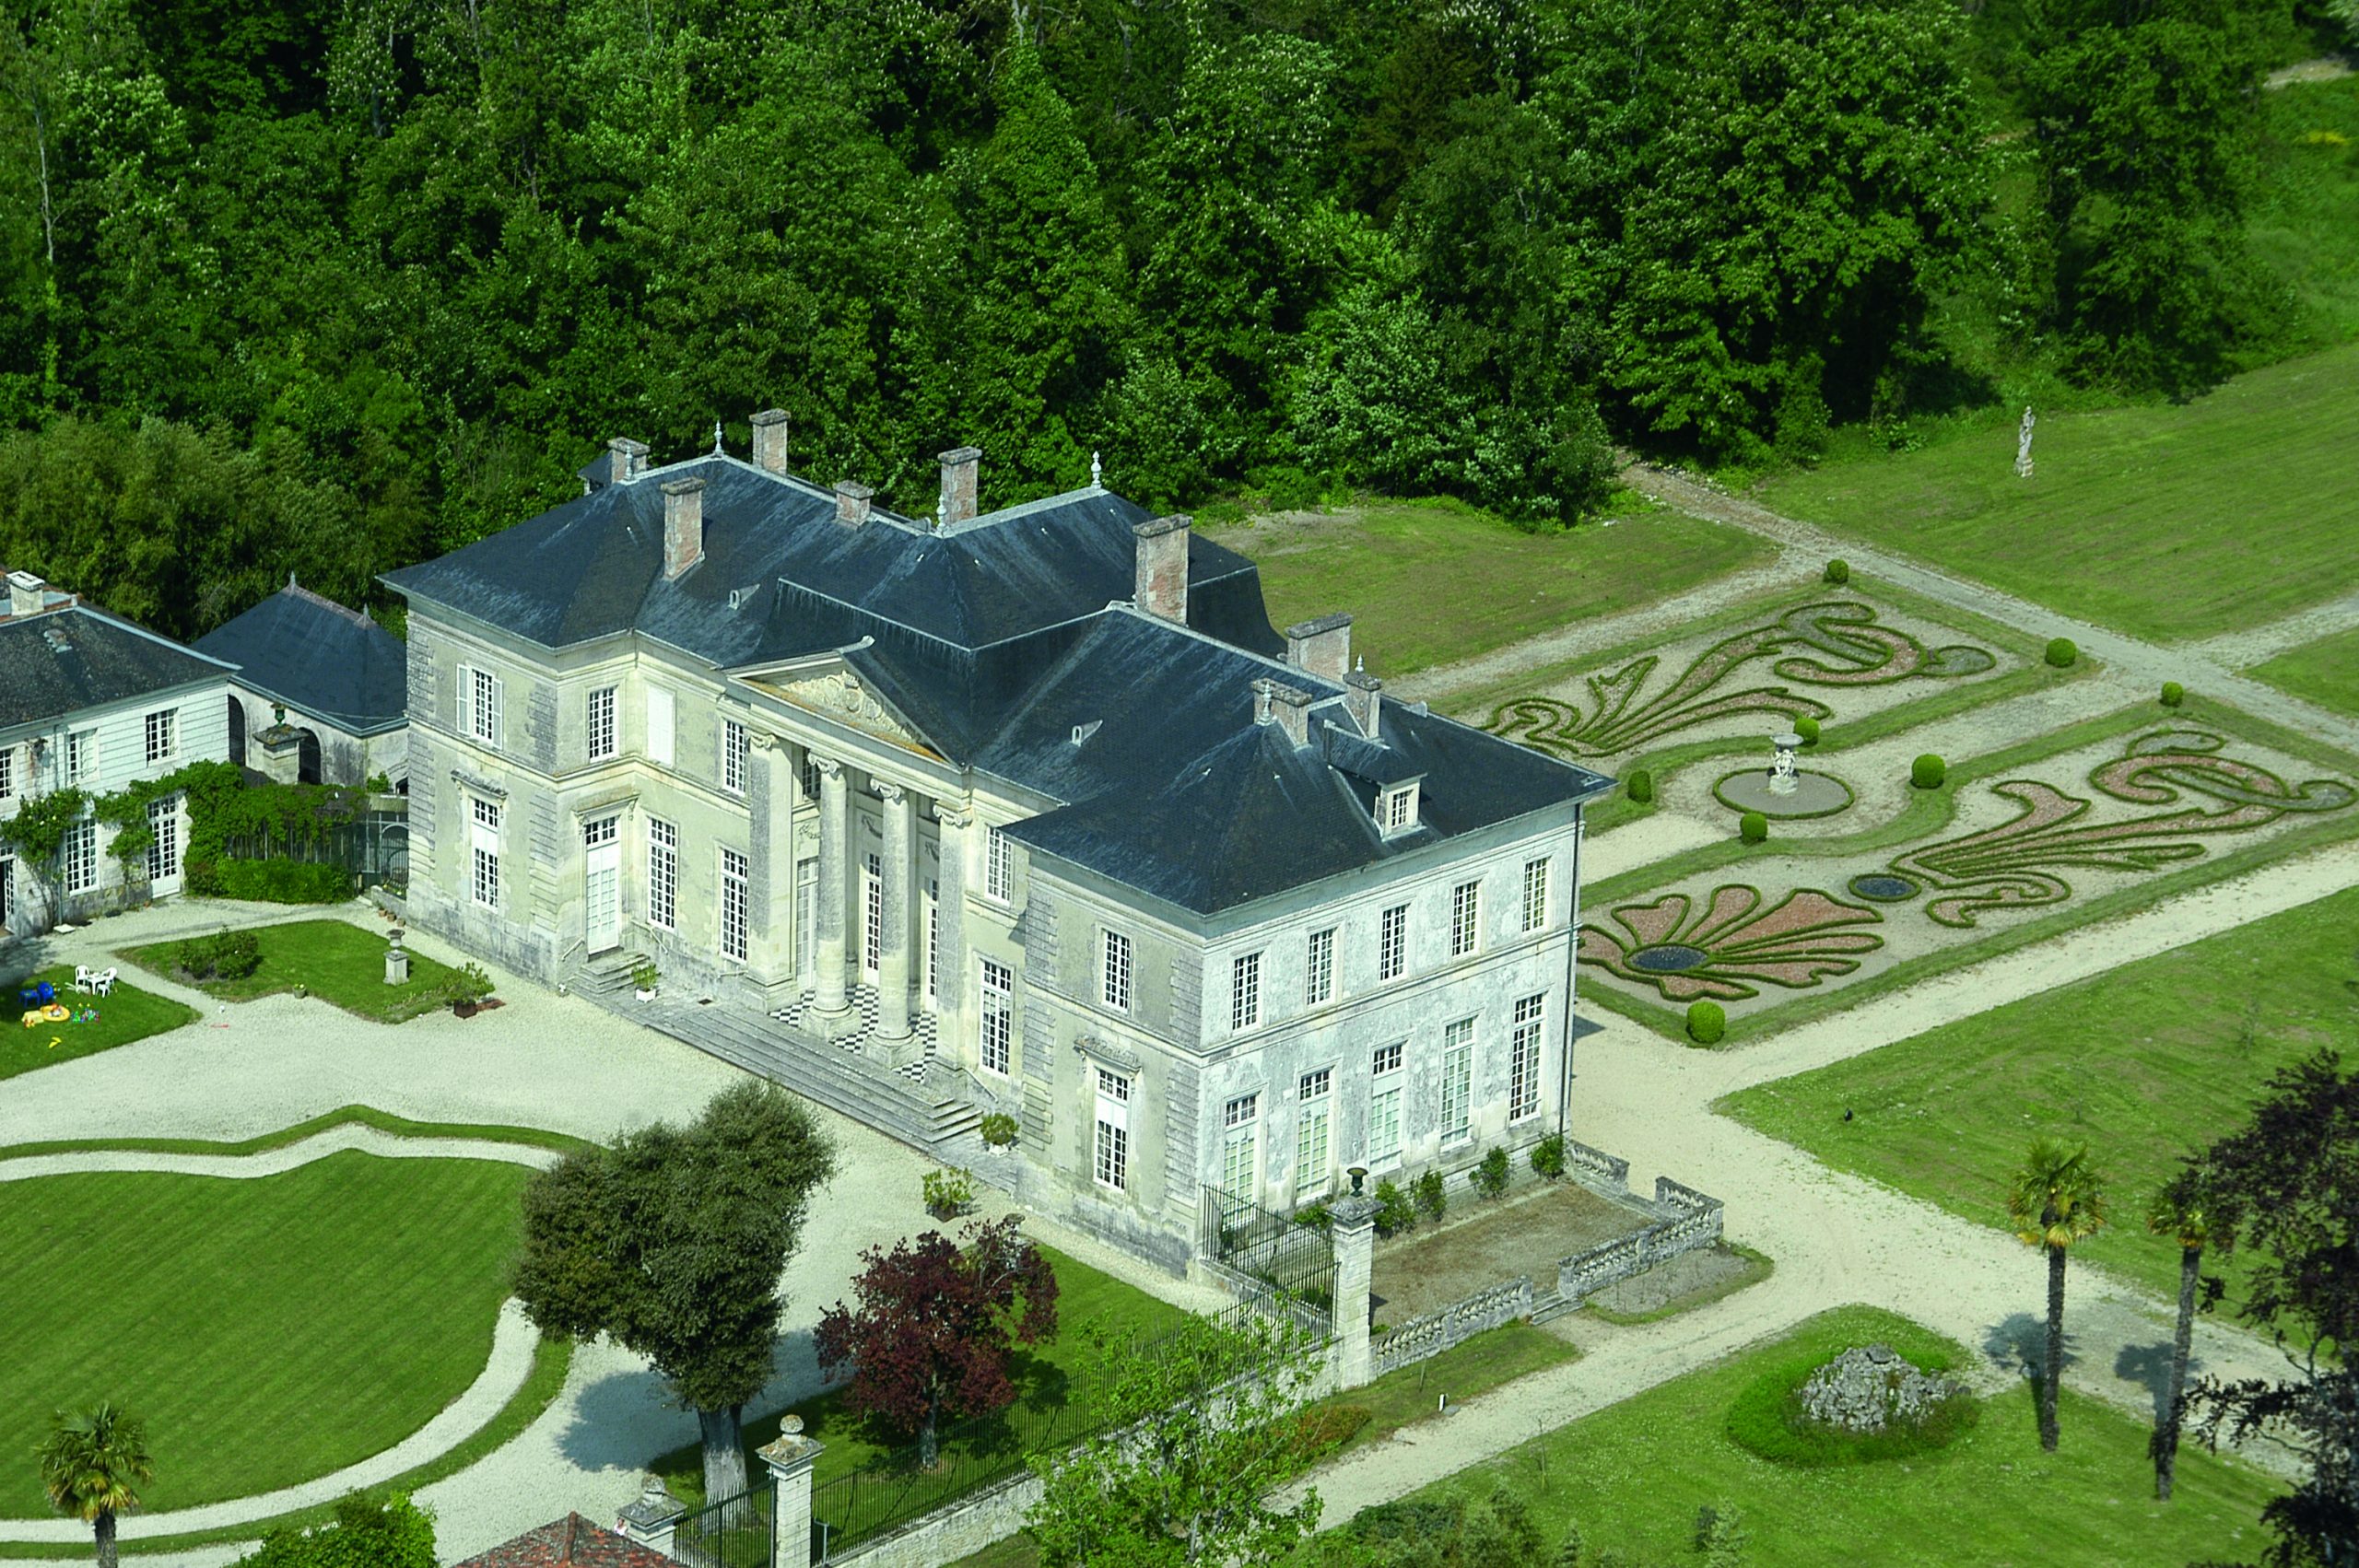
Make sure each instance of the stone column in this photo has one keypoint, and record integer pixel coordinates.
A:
(833, 1000)
(950, 955)
(652, 1520)
(1355, 1237)
(893, 953)
(790, 1456)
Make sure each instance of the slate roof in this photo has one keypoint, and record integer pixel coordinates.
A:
(316, 656)
(996, 640)
(63, 660)
(572, 1541)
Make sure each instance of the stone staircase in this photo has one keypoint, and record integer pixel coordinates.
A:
(912, 1106)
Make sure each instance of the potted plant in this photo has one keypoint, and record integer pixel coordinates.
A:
(643, 978)
(466, 988)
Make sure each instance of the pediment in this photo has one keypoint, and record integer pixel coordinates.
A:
(836, 691)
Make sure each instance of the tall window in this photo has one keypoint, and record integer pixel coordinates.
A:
(1384, 1106)
(1245, 992)
(81, 755)
(599, 723)
(733, 756)
(1239, 1167)
(1523, 1057)
(82, 857)
(1310, 1133)
(1397, 808)
(810, 771)
(1115, 966)
(997, 1012)
(1535, 895)
(1318, 968)
(734, 904)
(7, 773)
(163, 735)
(871, 904)
(663, 872)
(1457, 1080)
(1113, 1150)
(1393, 943)
(1465, 919)
(999, 866)
(483, 706)
(933, 936)
(164, 841)
(485, 842)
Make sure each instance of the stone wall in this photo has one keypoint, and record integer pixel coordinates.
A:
(1428, 1335)
(1686, 1220)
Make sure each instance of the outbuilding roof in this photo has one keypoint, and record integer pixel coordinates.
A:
(320, 657)
(571, 1542)
(72, 657)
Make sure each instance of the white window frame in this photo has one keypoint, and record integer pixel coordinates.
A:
(933, 987)
(1397, 809)
(1393, 943)
(872, 914)
(1314, 1164)
(7, 773)
(1458, 1082)
(1318, 968)
(81, 854)
(164, 840)
(1523, 1056)
(663, 874)
(736, 905)
(484, 843)
(808, 775)
(999, 867)
(1466, 919)
(1535, 895)
(1240, 1150)
(1385, 1082)
(1110, 1153)
(996, 1017)
(736, 747)
(163, 735)
(1245, 992)
(1116, 958)
(81, 755)
(600, 741)
(479, 705)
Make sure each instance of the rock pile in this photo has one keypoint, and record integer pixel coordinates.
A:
(1868, 1389)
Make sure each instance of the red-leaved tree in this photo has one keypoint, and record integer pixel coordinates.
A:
(935, 1325)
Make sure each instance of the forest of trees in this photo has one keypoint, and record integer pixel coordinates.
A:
(331, 286)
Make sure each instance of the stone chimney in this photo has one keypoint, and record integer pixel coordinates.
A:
(683, 525)
(1163, 567)
(24, 594)
(626, 460)
(961, 476)
(1323, 646)
(1285, 706)
(1364, 698)
(852, 499)
(770, 442)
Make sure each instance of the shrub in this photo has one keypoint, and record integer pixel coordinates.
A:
(1318, 1216)
(1394, 1211)
(1548, 1156)
(1768, 1417)
(948, 1192)
(2060, 652)
(1707, 1021)
(1753, 827)
(229, 956)
(1322, 1429)
(468, 983)
(281, 882)
(2173, 694)
(643, 975)
(1808, 729)
(1928, 772)
(1491, 1175)
(1838, 570)
(1641, 786)
(998, 1130)
(1433, 1202)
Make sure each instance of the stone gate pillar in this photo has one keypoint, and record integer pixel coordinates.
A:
(790, 1456)
(1354, 1238)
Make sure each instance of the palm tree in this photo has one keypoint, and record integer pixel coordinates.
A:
(89, 1464)
(2058, 1199)
(2178, 1212)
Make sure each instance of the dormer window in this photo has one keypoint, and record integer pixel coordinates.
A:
(1396, 808)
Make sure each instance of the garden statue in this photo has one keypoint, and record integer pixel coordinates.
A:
(1781, 770)
(2022, 445)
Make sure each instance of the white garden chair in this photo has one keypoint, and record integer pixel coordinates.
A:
(102, 983)
(86, 979)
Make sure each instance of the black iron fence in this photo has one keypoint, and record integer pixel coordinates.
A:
(1292, 1260)
(373, 845)
(733, 1533)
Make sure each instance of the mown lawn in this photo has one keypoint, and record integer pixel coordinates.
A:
(2305, 223)
(1633, 1476)
(338, 963)
(1053, 1396)
(2325, 672)
(1433, 582)
(2146, 1063)
(126, 1014)
(2170, 523)
(268, 1330)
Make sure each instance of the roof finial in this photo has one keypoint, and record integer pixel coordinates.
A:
(290, 580)
(1096, 472)
(716, 437)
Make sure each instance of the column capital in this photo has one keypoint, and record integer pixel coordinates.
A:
(827, 766)
(889, 791)
(953, 815)
(768, 741)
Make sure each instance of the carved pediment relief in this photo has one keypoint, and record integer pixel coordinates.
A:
(842, 695)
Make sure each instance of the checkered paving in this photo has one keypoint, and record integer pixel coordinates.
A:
(801, 1013)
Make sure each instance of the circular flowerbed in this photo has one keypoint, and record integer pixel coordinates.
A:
(1863, 1406)
(1884, 887)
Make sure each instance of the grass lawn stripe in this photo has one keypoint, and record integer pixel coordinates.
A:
(338, 963)
(127, 1014)
(2325, 672)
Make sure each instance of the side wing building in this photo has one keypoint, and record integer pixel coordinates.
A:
(1029, 813)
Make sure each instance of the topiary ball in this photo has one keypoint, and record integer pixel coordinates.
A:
(2060, 652)
(1838, 570)
(2173, 694)
(1928, 772)
(1753, 827)
(1641, 785)
(1808, 729)
(1707, 1021)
